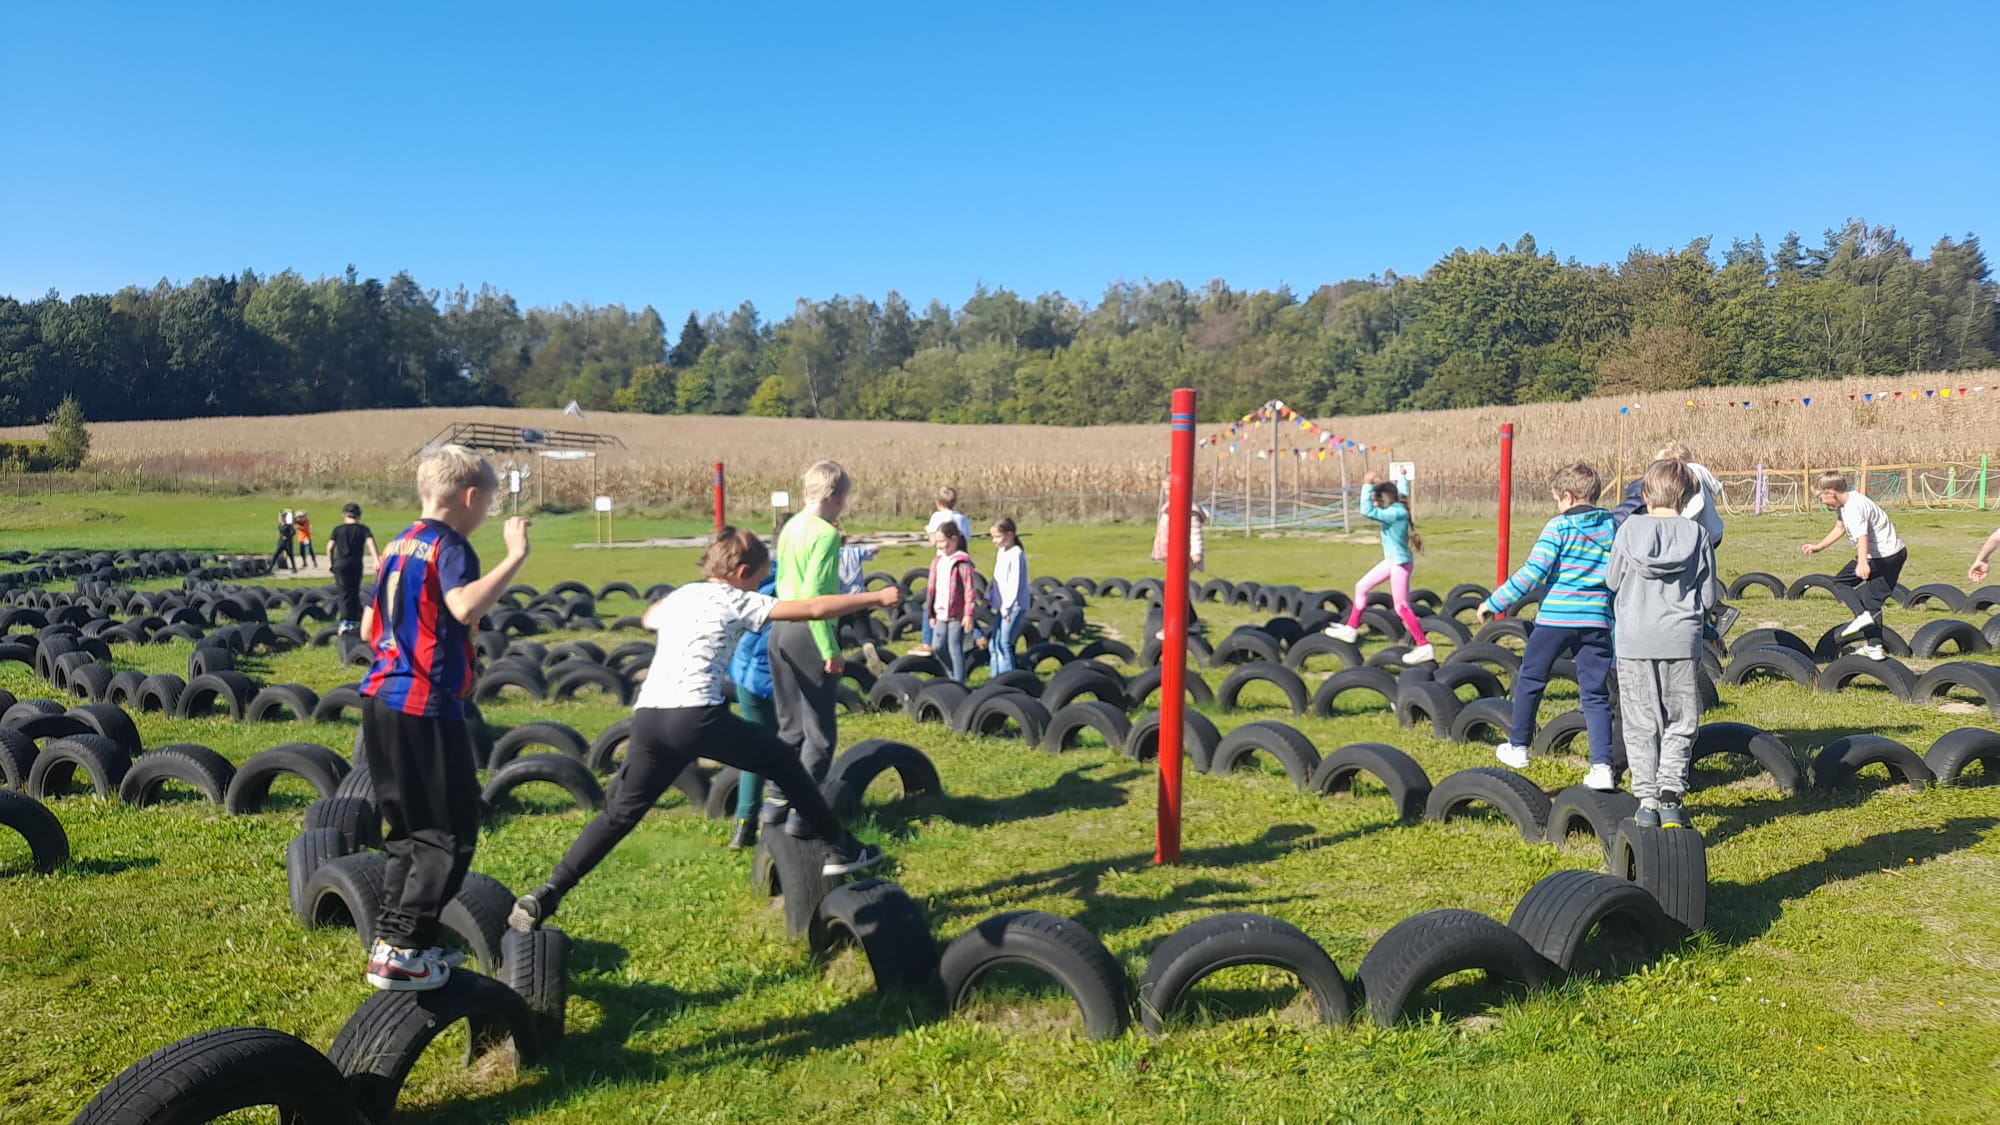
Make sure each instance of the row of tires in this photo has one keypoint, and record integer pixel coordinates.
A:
(1572, 922)
(1944, 594)
(360, 1077)
(1775, 662)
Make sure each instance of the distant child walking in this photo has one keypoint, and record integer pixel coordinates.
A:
(1569, 559)
(429, 596)
(348, 548)
(952, 594)
(947, 512)
(304, 528)
(285, 553)
(1662, 573)
(681, 716)
(805, 654)
(1008, 592)
(1384, 503)
(1878, 559)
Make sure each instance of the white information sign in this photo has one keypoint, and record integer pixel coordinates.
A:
(781, 499)
(604, 503)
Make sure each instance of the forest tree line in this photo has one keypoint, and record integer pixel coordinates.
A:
(1480, 327)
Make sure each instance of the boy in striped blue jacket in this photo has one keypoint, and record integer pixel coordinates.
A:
(1570, 560)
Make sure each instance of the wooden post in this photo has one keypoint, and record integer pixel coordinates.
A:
(1271, 419)
(1909, 484)
(1298, 486)
(1344, 498)
(1864, 477)
(1982, 482)
(1246, 498)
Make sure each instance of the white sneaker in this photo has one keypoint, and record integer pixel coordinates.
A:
(1512, 756)
(1600, 779)
(1342, 632)
(409, 970)
(1861, 621)
(1422, 654)
(1872, 652)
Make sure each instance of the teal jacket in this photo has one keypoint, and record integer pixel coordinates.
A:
(1395, 521)
(1571, 560)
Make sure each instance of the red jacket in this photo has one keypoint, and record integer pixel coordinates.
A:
(963, 593)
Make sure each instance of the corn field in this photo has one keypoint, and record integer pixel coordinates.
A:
(1087, 474)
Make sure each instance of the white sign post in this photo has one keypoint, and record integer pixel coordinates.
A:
(603, 507)
(1403, 474)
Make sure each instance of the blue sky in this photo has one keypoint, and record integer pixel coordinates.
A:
(692, 156)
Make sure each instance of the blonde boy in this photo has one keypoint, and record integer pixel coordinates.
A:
(429, 596)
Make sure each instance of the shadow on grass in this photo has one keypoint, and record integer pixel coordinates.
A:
(599, 1059)
(1105, 911)
(95, 866)
(1743, 912)
(1072, 792)
(1807, 743)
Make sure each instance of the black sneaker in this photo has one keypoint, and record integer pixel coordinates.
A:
(851, 855)
(746, 834)
(1725, 619)
(774, 812)
(533, 908)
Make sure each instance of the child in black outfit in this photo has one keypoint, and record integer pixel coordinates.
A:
(347, 548)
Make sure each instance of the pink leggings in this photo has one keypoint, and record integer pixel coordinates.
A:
(1398, 576)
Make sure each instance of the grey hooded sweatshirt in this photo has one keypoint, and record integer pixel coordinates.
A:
(1662, 576)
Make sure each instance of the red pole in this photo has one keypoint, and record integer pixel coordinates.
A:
(1173, 648)
(718, 497)
(1500, 570)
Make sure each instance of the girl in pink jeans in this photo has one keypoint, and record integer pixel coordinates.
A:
(1384, 504)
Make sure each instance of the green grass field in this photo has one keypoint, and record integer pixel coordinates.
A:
(1851, 972)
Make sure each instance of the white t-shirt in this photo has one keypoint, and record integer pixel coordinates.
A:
(699, 625)
(940, 517)
(1863, 516)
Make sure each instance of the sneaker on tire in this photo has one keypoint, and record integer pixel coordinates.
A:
(1601, 778)
(745, 835)
(851, 855)
(1672, 816)
(774, 812)
(409, 970)
(1512, 756)
(1861, 621)
(1873, 652)
(1342, 632)
(1422, 654)
(1647, 816)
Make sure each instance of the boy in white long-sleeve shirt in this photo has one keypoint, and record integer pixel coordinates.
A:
(1008, 592)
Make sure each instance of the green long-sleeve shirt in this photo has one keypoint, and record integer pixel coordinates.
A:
(808, 567)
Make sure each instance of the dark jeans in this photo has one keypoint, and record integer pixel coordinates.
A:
(284, 552)
(1592, 649)
(760, 710)
(664, 742)
(1883, 574)
(307, 553)
(347, 589)
(806, 701)
(422, 773)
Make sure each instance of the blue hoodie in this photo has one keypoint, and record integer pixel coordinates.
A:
(750, 668)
